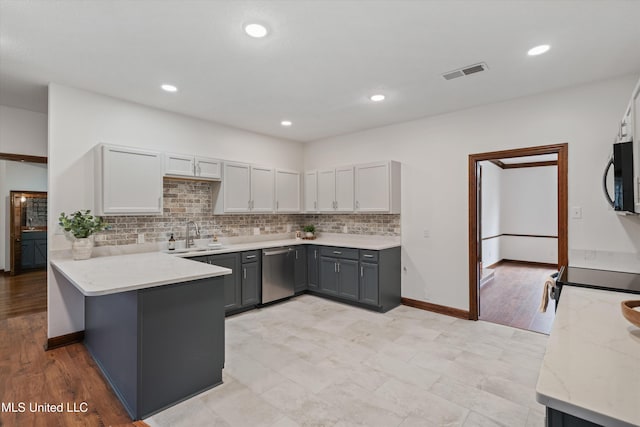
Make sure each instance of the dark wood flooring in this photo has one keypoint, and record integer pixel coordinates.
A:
(513, 297)
(24, 293)
(30, 375)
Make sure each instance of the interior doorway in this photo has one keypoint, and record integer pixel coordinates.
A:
(509, 272)
(27, 231)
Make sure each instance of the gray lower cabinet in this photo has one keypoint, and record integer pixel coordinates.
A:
(369, 283)
(158, 346)
(232, 282)
(300, 269)
(33, 249)
(328, 275)
(312, 268)
(251, 279)
(348, 283)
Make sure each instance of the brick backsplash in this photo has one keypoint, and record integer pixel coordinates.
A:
(191, 201)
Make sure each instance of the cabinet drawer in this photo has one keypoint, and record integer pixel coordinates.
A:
(250, 256)
(368, 256)
(348, 253)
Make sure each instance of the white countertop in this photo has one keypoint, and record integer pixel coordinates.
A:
(375, 243)
(112, 274)
(592, 365)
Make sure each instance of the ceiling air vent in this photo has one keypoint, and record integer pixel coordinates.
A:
(471, 69)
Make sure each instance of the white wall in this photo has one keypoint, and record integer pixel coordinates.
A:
(22, 132)
(79, 120)
(16, 176)
(434, 154)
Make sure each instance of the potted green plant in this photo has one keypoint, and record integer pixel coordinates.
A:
(81, 225)
(309, 231)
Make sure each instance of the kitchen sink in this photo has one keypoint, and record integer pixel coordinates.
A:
(196, 249)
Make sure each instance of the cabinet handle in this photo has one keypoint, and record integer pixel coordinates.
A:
(160, 202)
(296, 254)
(245, 273)
(249, 205)
(315, 205)
(335, 267)
(337, 252)
(315, 253)
(253, 204)
(338, 267)
(357, 204)
(367, 256)
(199, 170)
(361, 271)
(250, 256)
(277, 204)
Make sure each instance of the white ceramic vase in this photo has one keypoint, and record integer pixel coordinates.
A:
(309, 235)
(81, 248)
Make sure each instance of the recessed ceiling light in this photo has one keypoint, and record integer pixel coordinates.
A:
(169, 88)
(286, 123)
(377, 97)
(255, 30)
(538, 50)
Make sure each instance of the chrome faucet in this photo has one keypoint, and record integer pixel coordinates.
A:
(189, 243)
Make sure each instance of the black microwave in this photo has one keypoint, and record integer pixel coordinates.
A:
(623, 191)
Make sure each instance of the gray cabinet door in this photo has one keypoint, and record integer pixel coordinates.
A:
(369, 283)
(312, 267)
(40, 253)
(300, 268)
(250, 284)
(329, 275)
(348, 282)
(231, 281)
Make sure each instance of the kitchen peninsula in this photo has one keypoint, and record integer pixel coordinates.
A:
(154, 323)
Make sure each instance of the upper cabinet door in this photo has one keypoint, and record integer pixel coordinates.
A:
(129, 181)
(311, 191)
(178, 164)
(326, 190)
(208, 168)
(372, 187)
(344, 189)
(287, 191)
(236, 187)
(262, 191)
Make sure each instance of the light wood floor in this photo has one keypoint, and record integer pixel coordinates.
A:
(29, 374)
(512, 298)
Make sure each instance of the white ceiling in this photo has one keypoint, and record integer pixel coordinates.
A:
(321, 61)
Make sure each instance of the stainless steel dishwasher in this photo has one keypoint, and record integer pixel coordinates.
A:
(277, 273)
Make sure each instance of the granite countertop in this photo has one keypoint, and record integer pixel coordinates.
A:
(592, 365)
(375, 243)
(120, 273)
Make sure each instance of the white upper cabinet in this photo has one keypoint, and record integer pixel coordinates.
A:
(335, 190)
(184, 165)
(344, 189)
(262, 193)
(287, 191)
(236, 187)
(246, 188)
(311, 191)
(377, 187)
(326, 190)
(128, 181)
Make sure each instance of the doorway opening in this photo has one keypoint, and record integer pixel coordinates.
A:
(503, 290)
(27, 231)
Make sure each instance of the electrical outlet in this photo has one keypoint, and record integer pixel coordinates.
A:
(140, 238)
(576, 212)
(425, 233)
(256, 231)
(288, 228)
(345, 229)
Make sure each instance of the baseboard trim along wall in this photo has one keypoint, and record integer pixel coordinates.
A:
(436, 308)
(529, 263)
(62, 340)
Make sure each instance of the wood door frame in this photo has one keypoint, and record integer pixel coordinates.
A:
(562, 150)
(15, 222)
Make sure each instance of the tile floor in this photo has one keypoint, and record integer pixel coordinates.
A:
(314, 362)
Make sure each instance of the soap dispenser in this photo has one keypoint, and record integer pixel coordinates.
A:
(172, 243)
